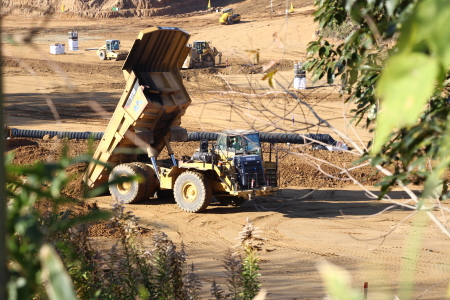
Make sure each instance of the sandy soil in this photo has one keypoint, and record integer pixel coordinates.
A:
(336, 223)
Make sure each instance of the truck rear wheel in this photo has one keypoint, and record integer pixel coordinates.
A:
(230, 200)
(230, 20)
(151, 181)
(131, 191)
(192, 192)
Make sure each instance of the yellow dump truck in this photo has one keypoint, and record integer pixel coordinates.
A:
(148, 117)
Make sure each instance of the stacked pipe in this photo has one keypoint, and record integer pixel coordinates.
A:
(265, 137)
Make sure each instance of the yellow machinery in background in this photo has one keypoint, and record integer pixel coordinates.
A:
(228, 17)
(111, 50)
(202, 55)
(148, 118)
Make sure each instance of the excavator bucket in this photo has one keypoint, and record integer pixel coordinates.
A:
(149, 112)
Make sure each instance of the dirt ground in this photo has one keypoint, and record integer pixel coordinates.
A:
(78, 92)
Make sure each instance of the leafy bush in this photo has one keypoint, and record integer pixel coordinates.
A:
(38, 215)
(339, 30)
(383, 66)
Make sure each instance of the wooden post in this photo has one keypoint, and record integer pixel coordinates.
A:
(366, 285)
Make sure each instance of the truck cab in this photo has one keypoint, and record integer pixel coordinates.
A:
(112, 45)
(200, 46)
(239, 142)
(242, 150)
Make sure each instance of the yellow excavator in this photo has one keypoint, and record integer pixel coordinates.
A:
(228, 17)
(111, 50)
(202, 55)
(148, 118)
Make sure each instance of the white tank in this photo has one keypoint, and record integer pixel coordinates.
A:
(299, 77)
(73, 40)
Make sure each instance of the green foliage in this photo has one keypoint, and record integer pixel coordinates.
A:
(341, 31)
(169, 267)
(32, 231)
(249, 237)
(241, 267)
(250, 273)
(56, 280)
(269, 76)
(394, 67)
(337, 282)
(234, 280)
(410, 99)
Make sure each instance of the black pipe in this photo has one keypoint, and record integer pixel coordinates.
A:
(38, 134)
(274, 137)
(265, 137)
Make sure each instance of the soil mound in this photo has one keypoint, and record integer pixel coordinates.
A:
(297, 166)
(133, 8)
(103, 8)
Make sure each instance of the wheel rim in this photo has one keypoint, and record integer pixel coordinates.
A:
(124, 187)
(190, 192)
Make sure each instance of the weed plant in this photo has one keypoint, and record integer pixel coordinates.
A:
(241, 267)
(339, 31)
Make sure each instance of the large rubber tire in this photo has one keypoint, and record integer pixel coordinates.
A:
(192, 191)
(102, 55)
(230, 200)
(151, 181)
(229, 20)
(131, 191)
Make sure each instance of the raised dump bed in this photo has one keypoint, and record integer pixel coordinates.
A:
(149, 112)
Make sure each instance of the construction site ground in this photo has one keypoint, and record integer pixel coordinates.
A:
(78, 92)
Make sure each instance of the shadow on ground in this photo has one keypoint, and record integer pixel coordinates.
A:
(301, 203)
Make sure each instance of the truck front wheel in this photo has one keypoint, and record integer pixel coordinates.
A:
(126, 191)
(192, 192)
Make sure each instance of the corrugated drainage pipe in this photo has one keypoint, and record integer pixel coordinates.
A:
(265, 137)
(27, 133)
(272, 137)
